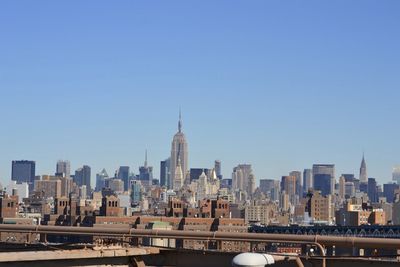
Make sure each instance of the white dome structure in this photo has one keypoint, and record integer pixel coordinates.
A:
(252, 260)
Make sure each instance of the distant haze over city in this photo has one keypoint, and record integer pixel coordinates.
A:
(320, 86)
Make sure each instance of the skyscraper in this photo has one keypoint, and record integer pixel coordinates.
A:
(348, 177)
(63, 170)
(179, 154)
(288, 184)
(23, 171)
(389, 191)
(163, 173)
(240, 176)
(324, 178)
(218, 170)
(64, 167)
(372, 190)
(363, 171)
(136, 192)
(178, 178)
(194, 173)
(82, 177)
(100, 180)
(307, 180)
(323, 183)
(342, 188)
(146, 173)
(299, 182)
(396, 174)
(123, 175)
(271, 188)
(266, 185)
(251, 187)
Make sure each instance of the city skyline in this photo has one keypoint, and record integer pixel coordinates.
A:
(228, 174)
(281, 87)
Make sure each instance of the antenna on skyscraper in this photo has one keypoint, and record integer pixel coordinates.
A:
(145, 159)
(180, 120)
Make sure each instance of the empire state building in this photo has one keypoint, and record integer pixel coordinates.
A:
(179, 159)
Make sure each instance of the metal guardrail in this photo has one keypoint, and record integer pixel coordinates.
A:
(374, 231)
(350, 241)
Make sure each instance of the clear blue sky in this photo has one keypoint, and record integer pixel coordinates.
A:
(278, 84)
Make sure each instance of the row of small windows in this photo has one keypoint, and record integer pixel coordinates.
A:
(113, 203)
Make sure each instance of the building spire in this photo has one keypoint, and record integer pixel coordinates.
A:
(180, 121)
(363, 171)
(363, 165)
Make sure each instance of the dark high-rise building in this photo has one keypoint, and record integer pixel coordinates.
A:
(356, 183)
(322, 171)
(123, 174)
(218, 169)
(363, 187)
(23, 171)
(196, 172)
(322, 182)
(372, 190)
(349, 177)
(389, 191)
(136, 192)
(266, 185)
(83, 177)
(100, 180)
(164, 172)
(226, 183)
(146, 173)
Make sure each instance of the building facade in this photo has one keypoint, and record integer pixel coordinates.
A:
(288, 186)
(23, 171)
(307, 180)
(100, 180)
(83, 177)
(363, 171)
(123, 175)
(63, 167)
(179, 156)
(322, 173)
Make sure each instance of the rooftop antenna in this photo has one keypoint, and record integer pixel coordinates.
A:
(180, 120)
(145, 159)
